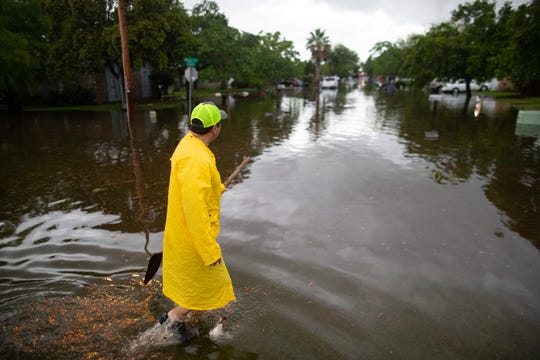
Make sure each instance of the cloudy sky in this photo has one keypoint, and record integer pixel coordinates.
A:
(357, 24)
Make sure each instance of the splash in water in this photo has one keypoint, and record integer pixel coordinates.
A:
(208, 323)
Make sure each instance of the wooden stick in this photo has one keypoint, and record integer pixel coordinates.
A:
(236, 171)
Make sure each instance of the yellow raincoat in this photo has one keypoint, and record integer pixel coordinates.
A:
(191, 230)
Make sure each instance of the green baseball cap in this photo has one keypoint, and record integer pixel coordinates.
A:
(208, 113)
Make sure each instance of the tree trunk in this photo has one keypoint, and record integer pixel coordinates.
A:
(317, 72)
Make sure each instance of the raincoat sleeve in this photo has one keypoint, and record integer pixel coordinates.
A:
(196, 189)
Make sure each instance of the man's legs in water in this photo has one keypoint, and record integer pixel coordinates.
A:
(178, 315)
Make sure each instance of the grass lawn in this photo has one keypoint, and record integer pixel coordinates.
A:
(147, 105)
(529, 103)
(179, 97)
(169, 101)
(517, 101)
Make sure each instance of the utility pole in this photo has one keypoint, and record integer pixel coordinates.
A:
(125, 58)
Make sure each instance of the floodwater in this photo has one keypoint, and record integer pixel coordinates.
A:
(367, 226)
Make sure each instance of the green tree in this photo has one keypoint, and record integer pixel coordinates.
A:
(265, 58)
(464, 47)
(388, 59)
(280, 59)
(319, 45)
(179, 41)
(460, 48)
(215, 42)
(343, 61)
(85, 37)
(159, 32)
(75, 39)
(475, 25)
(282, 48)
(502, 41)
(430, 55)
(475, 43)
(23, 29)
(522, 52)
(225, 52)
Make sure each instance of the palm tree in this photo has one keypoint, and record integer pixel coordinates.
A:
(319, 45)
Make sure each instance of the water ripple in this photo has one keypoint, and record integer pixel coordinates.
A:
(68, 246)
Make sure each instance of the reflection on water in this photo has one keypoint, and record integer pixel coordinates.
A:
(368, 225)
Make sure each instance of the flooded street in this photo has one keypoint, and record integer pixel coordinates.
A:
(367, 226)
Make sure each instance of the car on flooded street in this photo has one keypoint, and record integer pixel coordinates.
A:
(436, 85)
(460, 85)
(330, 82)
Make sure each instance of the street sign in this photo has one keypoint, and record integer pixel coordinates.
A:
(191, 74)
(191, 62)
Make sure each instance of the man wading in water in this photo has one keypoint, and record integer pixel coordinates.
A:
(194, 274)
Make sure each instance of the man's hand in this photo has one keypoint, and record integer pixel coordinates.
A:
(218, 262)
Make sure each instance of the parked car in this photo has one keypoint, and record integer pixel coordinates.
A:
(330, 82)
(435, 85)
(491, 85)
(460, 86)
(289, 84)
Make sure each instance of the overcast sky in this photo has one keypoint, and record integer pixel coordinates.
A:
(357, 24)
